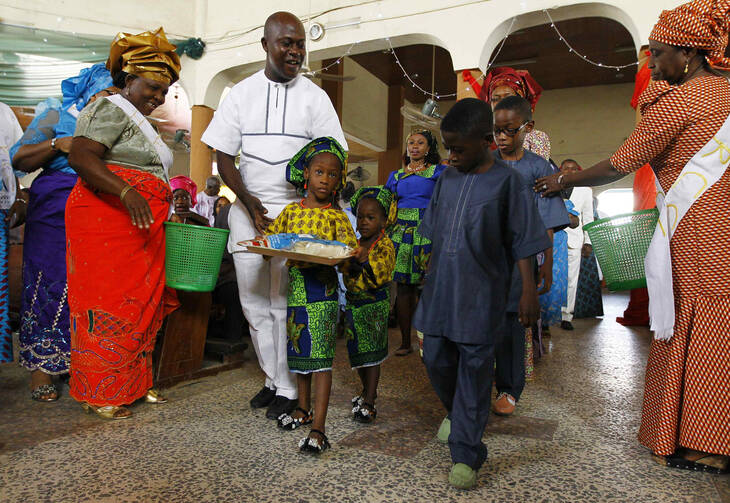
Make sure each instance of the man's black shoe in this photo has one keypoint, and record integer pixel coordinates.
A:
(263, 398)
(281, 405)
(566, 325)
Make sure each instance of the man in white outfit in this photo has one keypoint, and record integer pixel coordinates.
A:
(578, 241)
(207, 198)
(269, 117)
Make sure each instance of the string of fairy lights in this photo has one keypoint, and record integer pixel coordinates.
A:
(584, 58)
(434, 94)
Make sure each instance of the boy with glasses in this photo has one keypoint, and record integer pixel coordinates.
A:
(512, 121)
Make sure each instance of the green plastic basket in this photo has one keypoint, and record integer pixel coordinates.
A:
(620, 244)
(193, 256)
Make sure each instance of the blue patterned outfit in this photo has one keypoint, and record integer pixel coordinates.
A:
(45, 339)
(551, 303)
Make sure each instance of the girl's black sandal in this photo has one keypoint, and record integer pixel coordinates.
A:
(365, 413)
(289, 422)
(312, 444)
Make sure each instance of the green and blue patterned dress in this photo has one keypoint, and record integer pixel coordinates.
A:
(312, 298)
(368, 305)
(412, 193)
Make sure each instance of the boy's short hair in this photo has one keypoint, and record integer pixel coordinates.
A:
(469, 117)
(518, 105)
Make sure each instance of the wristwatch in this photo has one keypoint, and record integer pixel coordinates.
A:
(53, 143)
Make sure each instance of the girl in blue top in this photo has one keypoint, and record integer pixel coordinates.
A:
(412, 186)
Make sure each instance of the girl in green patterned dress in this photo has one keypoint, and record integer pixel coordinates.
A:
(412, 187)
(312, 301)
(367, 277)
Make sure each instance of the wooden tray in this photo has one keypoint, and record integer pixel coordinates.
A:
(301, 257)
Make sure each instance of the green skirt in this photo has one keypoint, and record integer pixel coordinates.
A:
(412, 250)
(312, 305)
(366, 318)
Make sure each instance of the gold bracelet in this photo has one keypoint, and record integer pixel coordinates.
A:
(124, 192)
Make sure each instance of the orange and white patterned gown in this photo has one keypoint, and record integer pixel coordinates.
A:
(687, 393)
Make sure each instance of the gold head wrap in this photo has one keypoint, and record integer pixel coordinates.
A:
(147, 54)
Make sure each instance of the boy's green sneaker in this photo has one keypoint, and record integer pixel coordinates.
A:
(462, 476)
(444, 431)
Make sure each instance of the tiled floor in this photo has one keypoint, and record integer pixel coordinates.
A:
(572, 439)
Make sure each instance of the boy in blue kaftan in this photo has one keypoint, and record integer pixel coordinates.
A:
(482, 221)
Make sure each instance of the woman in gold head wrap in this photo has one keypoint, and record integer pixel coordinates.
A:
(116, 249)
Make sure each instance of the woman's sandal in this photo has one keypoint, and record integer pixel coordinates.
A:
(403, 351)
(313, 445)
(42, 393)
(289, 422)
(154, 396)
(366, 413)
(712, 463)
(108, 411)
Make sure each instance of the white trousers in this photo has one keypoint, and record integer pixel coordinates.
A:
(574, 256)
(262, 286)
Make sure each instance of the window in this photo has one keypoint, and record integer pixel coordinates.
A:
(615, 202)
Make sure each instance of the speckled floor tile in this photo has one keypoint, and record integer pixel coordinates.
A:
(572, 439)
(522, 426)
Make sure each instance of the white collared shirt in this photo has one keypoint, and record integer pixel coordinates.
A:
(269, 122)
(582, 198)
(206, 205)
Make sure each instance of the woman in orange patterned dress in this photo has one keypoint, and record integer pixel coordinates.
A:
(114, 231)
(686, 414)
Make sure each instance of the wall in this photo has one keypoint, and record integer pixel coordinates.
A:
(587, 124)
(364, 105)
(102, 18)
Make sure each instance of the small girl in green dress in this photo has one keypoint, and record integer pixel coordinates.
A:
(367, 277)
(312, 299)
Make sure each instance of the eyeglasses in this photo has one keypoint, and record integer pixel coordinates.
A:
(510, 131)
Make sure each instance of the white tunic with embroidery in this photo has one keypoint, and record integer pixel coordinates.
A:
(269, 122)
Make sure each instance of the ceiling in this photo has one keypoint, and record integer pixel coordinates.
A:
(417, 61)
(536, 49)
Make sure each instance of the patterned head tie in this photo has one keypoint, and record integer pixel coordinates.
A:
(295, 168)
(378, 192)
(186, 184)
(520, 81)
(702, 24)
(79, 89)
(147, 54)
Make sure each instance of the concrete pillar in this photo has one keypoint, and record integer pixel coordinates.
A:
(463, 88)
(392, 158)
(201, 166)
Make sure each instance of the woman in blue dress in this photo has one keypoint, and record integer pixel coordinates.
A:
(412, 186)
(44, 331)
(551, 303)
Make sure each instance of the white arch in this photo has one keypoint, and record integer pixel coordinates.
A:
(576, 11)
(469, 30)
(233, 74)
